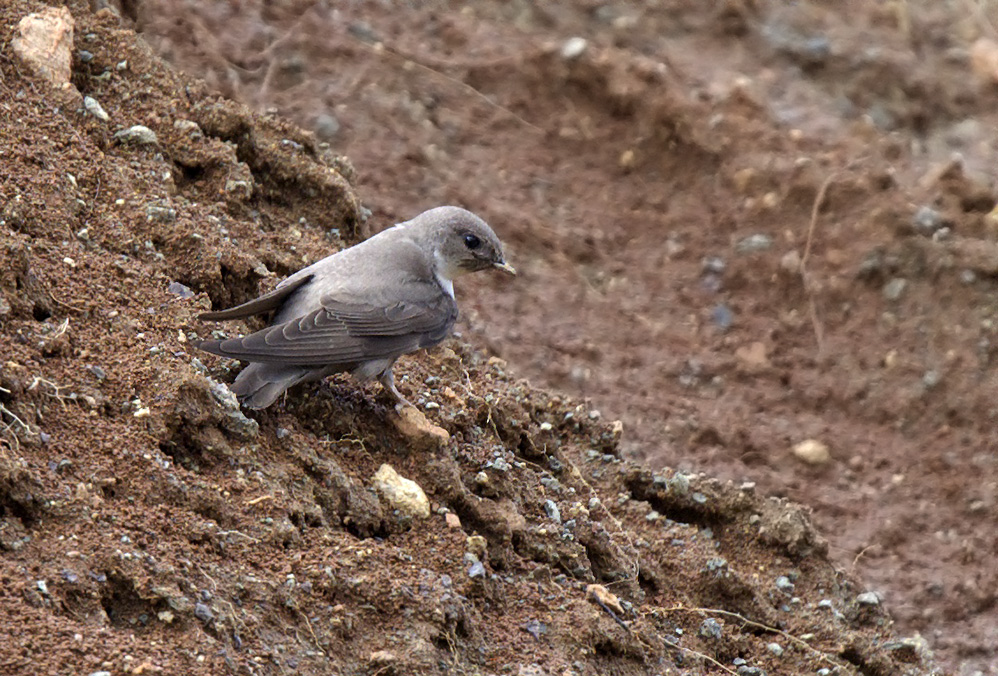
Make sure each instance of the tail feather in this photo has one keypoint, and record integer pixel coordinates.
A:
(259, 385)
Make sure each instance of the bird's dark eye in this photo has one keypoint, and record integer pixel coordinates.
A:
(472, 241)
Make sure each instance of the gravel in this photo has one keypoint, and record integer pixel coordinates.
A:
(710, 628)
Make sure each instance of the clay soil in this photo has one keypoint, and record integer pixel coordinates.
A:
(738, 226)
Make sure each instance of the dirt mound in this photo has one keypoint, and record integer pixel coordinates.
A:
(147, 525)
(740, 226)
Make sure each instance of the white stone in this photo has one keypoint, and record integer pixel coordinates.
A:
(400, 493)
(813, 452)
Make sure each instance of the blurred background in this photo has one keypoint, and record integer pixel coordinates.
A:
(761, 234)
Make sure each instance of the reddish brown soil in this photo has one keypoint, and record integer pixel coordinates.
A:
(617, 177)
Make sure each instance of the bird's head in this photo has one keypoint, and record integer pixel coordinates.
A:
(462, 242)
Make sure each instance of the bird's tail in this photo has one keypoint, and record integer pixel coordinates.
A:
(259, 385)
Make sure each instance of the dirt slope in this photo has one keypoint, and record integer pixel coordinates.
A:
(658, 185)
(147, 525)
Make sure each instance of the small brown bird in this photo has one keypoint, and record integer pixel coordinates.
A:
(362, 308)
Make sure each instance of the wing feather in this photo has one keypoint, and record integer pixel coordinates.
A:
(265, 303)
(346, 333)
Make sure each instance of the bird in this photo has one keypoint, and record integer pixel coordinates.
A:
(361, 308)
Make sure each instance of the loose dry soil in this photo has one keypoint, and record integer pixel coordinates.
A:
(739, 225)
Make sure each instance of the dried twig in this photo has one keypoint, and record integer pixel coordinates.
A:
(807, 647)
(226, 533)
(815, 208)
(56, 390)
(819, 333)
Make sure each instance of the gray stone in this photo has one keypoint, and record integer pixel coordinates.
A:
(784, 584)
(710, 628)
(868, 599)
(894, 289)
(753, 243)
(551, 509)
(94, 107)
(326, 126)
(926, 221)
(203, 612)
(138, 135)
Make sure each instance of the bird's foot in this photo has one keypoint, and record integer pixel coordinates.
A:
(388, 382)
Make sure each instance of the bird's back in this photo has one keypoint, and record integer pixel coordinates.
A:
(387, 268)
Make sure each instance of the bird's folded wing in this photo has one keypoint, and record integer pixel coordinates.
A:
(345, 333)
(265, 303)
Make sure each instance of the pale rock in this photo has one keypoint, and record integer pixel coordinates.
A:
(604, 597)
(477, 546)
(400, 493)
(94, 107)
(43, 42)
(984, 59)
(383, 659)
(573, 48)
(752, 358)
(420, 432)
(812, 452)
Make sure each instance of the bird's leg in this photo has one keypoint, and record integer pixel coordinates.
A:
(388, 382)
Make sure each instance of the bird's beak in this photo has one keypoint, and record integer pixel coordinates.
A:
(505, 267)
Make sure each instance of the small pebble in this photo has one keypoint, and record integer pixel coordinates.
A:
(868, 599)
(723, 317)
(812, 452)
(139, 135)
(754, 243)
(573, 48)
(931, 378)
(710, 628)
(927, 220)
(477, 569)
(791, 262)
(894, 289)
(536, 629)
(551, 509)
(714, 265)
(178, 289)
(784, 584)
(326, 126)
(775, 648)
(203, 612)
(94, 107)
